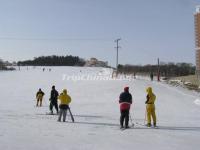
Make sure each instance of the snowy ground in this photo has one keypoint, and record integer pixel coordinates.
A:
(96, 111)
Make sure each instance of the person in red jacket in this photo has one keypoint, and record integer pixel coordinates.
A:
(125, 101)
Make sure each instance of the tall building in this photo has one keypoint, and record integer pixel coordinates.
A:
(197, 39)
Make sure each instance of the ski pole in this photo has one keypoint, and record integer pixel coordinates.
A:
(131, 119)
(145, 116)
(44, 102)
(132, 124)
(72, 117)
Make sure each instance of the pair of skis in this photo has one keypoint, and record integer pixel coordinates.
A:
(130, 127)
(140, 124)
(71, 115)
(154, 127)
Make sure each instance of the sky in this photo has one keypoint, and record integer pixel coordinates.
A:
(149, 29)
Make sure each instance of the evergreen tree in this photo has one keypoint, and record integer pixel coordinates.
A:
(54, 61)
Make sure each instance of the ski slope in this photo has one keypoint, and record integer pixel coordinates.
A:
(96, 111)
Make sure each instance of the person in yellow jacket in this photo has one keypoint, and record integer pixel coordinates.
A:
(150, 107)
(39, 97)
(65, 99)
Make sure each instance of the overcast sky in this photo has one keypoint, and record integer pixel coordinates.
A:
(87, 28)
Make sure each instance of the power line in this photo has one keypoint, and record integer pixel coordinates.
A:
(54, 39)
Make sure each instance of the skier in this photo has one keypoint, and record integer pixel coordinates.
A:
(53, 100)
(150, 107)
(65, 99)
(151, 76)
(125, 101)
(39, 97)
(134, 74)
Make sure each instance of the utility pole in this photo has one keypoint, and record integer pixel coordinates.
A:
(158, 70)
(117, 48)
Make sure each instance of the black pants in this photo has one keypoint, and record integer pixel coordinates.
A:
(124, 116)
(55, 104)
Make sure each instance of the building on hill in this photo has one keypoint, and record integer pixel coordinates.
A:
(93, 62)
(7, 63)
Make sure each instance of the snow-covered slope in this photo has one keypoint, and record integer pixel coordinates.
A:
(96, 112)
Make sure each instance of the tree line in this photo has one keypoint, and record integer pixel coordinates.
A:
(53, 61)
(165, 69)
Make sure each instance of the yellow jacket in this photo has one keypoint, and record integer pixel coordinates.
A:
(64, 98)
(150, 96)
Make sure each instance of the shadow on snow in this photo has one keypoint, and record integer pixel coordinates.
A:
(172, 128)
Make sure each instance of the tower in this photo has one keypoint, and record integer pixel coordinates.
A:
(197, 39)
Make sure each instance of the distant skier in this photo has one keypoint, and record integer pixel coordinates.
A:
(53, 100)
(65, 99)
(150, 107)
(134, 74)
(39, 97)
(125, 101)
(151, 76)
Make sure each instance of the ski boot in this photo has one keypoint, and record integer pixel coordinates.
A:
(154, 125)
(148, 124)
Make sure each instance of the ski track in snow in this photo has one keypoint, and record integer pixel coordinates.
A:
(96, 111)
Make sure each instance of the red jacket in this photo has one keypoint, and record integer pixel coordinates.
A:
(125, 106)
